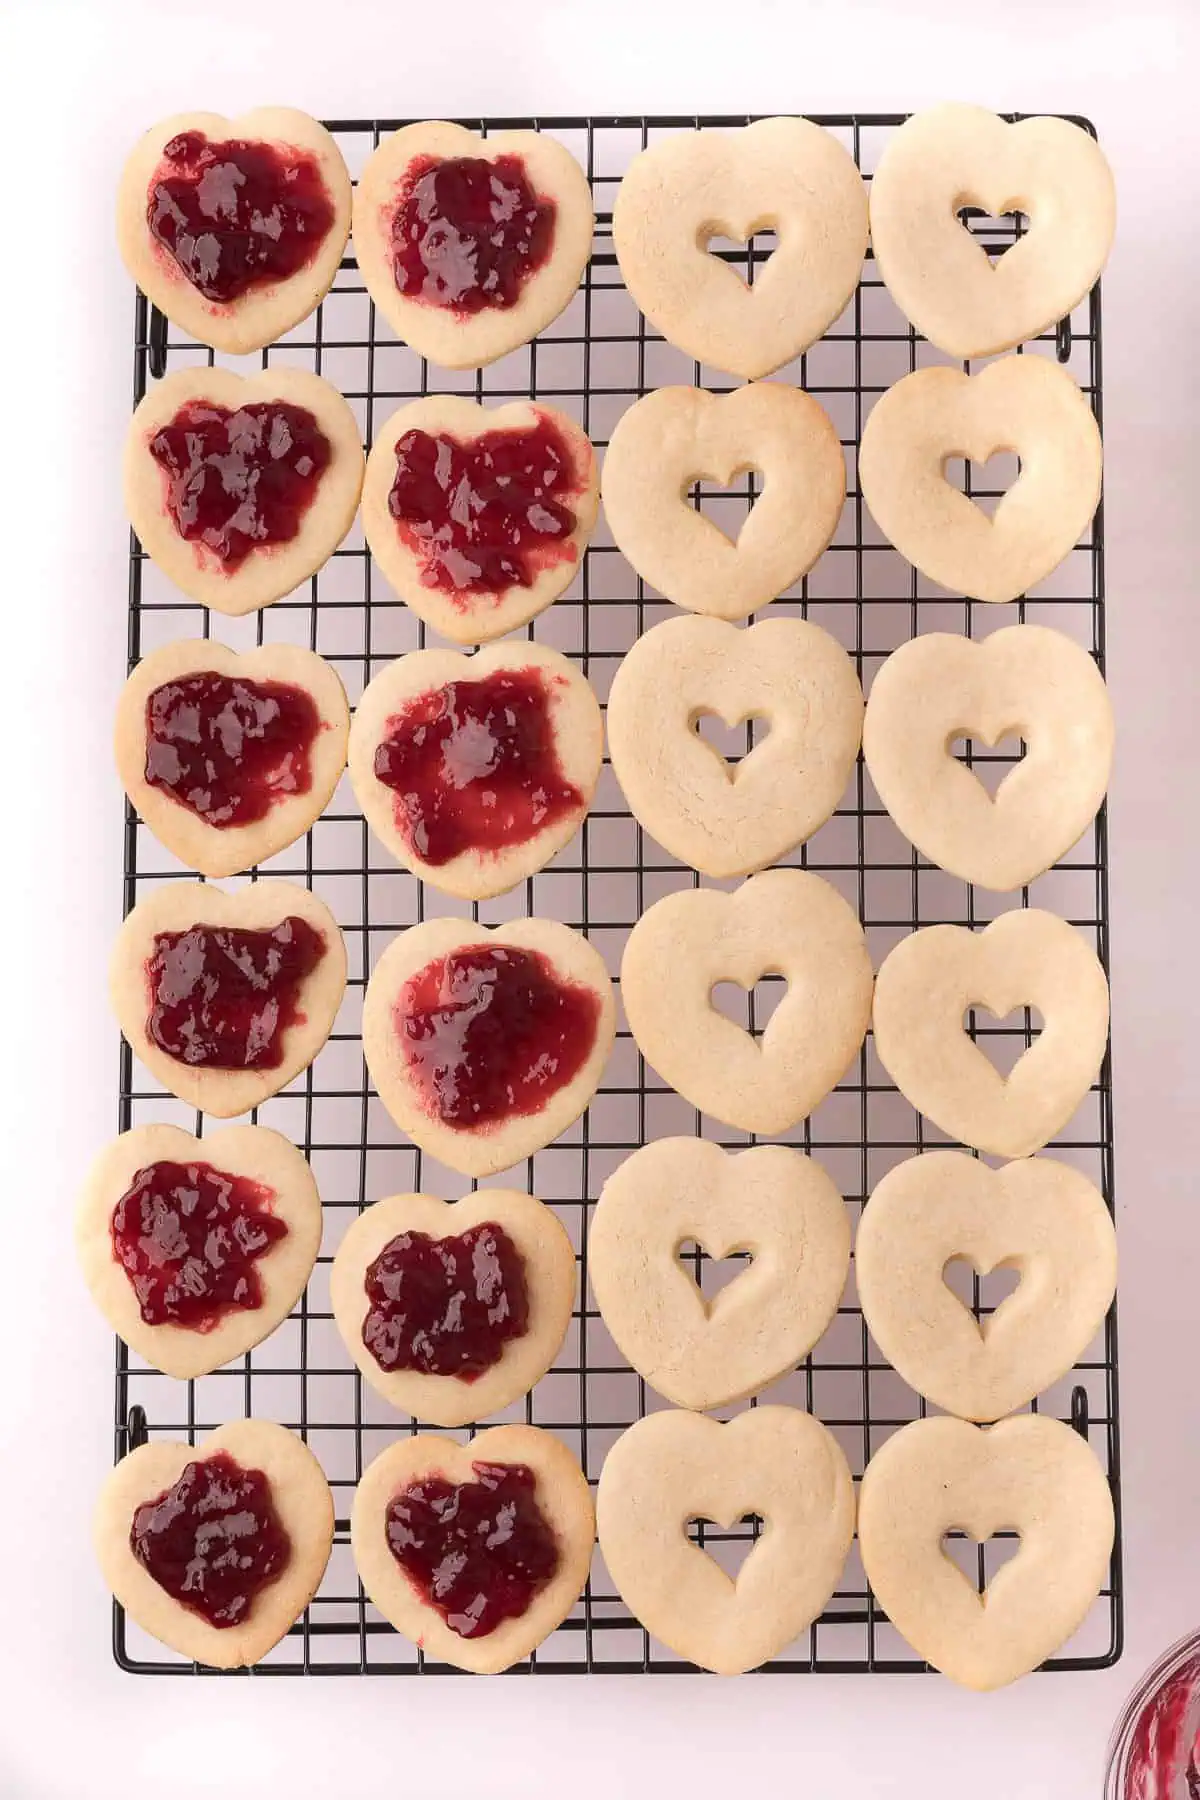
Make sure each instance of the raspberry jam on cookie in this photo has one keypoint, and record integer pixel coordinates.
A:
(236, 215)
(240, 481)
(228, 748)
(213, 1540)
(467, 233)
(445, 1306)
(492, 1032)
(489, 514)
(474, 766)
(188, 1236)
(222, 998)
(478, 1552)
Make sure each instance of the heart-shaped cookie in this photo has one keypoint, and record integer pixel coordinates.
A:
(303, 1506)
(1024, 404)
(678, 435)
(475, 770)
(279, 1269)
(485, 1045)
(235, 228)
(1040, 1217)
(785, 922)
(723, 818)
(225, 1021)
(471, 245)
(785, 175)
(1025, 958)
(674, 1466)
(1031, 1475)
(771, 1201)
(560, 1494)
(546, 1280)
(940, 275)
(1026, 680)
(204, 733)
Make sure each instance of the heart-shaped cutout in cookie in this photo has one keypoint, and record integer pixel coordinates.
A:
(1040, 1218)
(1022, 403)
(478, 1551)
(784, 922)
(242, 486)
(1023, 680)
(937, 272)
(1029, 1474)
(230, 757)
(226, 997)
(195, 1249)
(771, 1201)
(773, 1461)
(1026, 958)
(453, 1311)
(785, 174)
(266, 1491)
(676, 436)
(723, 819)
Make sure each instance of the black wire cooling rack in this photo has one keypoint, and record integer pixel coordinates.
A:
(592, 362)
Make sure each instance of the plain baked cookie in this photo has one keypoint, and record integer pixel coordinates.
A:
(1040, 1217)
(249, 1151)
(1025, 404)
(954, 156)
(786, 922)
(732, 818)
(226, 850)
(446, 334)
(263, 312)
(674, 1466)
(561, 1495)
(575, 737)
(785, 175)
(269, 570)
(1030, 1474)
(1024, 958)
(549, 1271)
(177, 906)
(678, 435)
(771, 1201)
(1024, 680)
(303, 1504)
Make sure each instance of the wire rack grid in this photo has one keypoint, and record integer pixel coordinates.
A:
(593, 362)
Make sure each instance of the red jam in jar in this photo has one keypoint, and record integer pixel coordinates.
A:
(228, 748)
(445, 1306)
(467, 233)
(222, 998)
(213, 1540)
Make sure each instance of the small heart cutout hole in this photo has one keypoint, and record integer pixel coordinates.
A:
(745, 256)
(989, 763)
(985, 483)
(750, 1008)
(1003, 1038)
(712, 1274)
(731, 744)
(728, 1545)
(726, 504)
(978, 1562)
(982, 1295)
(995, 232)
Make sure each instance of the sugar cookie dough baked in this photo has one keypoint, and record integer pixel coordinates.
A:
(785, 175)
(1023, 680)
(954, 156)
(674, 1466)
(1040, 1217)
(1024, 958)
(720, 818)
(1030, 1474)
(1024, 404)
(678, 435)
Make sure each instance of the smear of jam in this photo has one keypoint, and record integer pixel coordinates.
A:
(228, 748)
(213, 1540)
(479, 1551)
(468, 233)
(446, 1306)
(222, 998)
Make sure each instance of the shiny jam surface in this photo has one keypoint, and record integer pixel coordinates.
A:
(228, 748)
(240, 481)
(477, 1551)
(222, 998)
(467, 233)
(492, 1032)
(489, 515)
(236, 215)
(474, 766)
(445, 1306)
(213, 1540)
(188, 1236)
